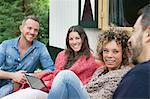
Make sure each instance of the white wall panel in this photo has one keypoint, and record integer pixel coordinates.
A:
(63, 14)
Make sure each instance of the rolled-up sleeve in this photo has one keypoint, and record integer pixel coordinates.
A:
(46, 60)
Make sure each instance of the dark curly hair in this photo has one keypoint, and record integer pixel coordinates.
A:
(121, 37)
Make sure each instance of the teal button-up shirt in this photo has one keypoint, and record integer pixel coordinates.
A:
(10, 61)
(37, 54)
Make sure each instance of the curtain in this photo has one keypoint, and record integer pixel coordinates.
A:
(116, 13)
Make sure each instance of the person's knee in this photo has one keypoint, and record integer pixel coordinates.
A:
(65, 74)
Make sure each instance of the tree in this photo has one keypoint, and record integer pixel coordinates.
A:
(12, 13)
(10, 16)
(39, 8)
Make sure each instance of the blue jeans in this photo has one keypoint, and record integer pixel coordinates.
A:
(6, 87)
(67, 85)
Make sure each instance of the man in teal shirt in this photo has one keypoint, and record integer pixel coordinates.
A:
(22, 54)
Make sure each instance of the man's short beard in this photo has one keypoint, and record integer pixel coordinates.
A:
(135, 61)
(136, 54)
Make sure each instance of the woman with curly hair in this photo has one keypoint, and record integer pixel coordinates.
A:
(112, 49)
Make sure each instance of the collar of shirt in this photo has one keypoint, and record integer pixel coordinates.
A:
(34, 44)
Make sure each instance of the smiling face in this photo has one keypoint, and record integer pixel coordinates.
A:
(75, 41)
(29, 30)
(112, 55)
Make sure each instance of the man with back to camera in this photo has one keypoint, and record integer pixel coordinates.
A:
(21, 55)
(136, 83)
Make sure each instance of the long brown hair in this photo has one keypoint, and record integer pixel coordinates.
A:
(85, 49)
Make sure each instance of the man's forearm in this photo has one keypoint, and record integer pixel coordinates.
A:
(5, 75)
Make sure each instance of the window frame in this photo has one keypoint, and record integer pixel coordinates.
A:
(103, 17)
(89, 24)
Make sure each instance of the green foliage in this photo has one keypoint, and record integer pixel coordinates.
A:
(10, 16)
(12, 13)
(41, 9)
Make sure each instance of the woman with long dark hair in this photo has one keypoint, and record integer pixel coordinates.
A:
(77, 57)
(112, 49)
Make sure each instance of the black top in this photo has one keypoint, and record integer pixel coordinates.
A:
(135, 84)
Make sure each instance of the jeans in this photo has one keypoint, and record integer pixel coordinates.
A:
(6, 87)
(67, 85)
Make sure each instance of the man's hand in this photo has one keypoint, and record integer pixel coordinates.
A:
(19, 77)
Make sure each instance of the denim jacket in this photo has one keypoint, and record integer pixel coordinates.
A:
(10, 57)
